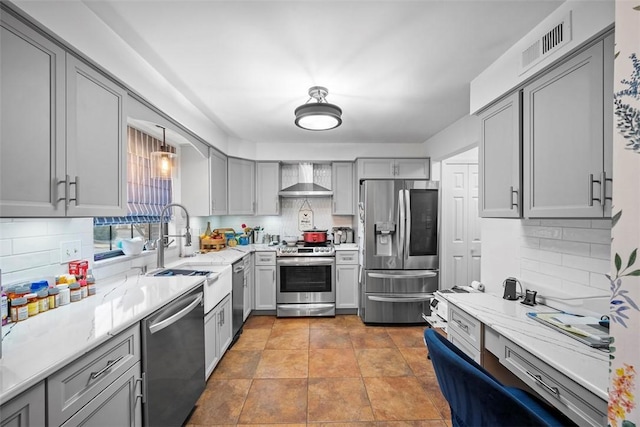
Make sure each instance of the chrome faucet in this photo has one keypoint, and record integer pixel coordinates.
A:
(161, 244)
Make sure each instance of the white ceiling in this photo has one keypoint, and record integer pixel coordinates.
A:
(400, 70)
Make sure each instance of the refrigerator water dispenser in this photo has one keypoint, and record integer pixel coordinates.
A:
(384, 242)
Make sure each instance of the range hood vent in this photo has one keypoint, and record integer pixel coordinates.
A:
(305, 186)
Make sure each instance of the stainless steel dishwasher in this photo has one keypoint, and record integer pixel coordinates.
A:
(237, 298)
(173, 360)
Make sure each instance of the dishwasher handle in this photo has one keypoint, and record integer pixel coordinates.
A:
(160, 325)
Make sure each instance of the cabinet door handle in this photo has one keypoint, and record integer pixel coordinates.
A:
(110, 364)
(77, 184)
(591, 182)
(603, 187)
(462, 325)
(538, 380)
(273, 276)
(213, 206)
(512, 192)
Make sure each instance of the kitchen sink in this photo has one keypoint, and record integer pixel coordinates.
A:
(169, 272)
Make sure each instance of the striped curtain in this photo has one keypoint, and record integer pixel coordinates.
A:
(146, 196)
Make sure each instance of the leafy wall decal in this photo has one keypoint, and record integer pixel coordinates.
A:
(628, 117)
(620, 300)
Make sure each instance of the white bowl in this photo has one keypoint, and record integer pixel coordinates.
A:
(291, 240)
(132, 246)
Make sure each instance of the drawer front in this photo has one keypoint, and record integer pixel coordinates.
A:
(265, 258)
(465, 346)
(466, 326)
(577, 403)
(346, 257)
(75, 385)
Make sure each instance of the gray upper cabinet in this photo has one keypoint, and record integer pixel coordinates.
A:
(242, 179)
(343, 188)
(219, 185)
(563, 138)
(62, 148)
(32, 138)
(412, 168)
(267, 188)
(500, 149)
(96, 142)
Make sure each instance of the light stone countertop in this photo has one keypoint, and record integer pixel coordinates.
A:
(39, 346)
(587, 366)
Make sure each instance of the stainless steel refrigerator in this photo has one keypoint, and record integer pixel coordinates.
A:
(399, 228)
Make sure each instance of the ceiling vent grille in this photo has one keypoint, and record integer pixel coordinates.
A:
(543, 46)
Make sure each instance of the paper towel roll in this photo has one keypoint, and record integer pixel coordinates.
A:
(477, 286)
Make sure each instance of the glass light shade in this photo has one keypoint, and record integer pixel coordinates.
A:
(318, 116)
(162, 164)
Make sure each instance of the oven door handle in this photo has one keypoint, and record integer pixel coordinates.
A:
(305, 261)
(401, 298)
(417, 275)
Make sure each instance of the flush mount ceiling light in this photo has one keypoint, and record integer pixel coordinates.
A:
(162, 161)
(319, 115)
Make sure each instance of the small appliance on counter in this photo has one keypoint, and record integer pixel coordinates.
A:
(342, 235)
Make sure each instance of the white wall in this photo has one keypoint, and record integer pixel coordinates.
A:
(589, 17)
(456, 138)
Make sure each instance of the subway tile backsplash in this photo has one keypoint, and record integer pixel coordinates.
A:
(570, 255)
(30, 248)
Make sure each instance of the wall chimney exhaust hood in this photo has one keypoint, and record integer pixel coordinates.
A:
(305, 186)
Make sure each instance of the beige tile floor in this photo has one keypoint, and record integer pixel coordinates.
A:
(317, 371)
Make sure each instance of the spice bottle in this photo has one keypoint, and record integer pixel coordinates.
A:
(19, 309)
(91, 284)
(75, 293)
(4, 307)
(43, 300)
(32, 304)
(84, 291)
(65, 294)
(54, 297)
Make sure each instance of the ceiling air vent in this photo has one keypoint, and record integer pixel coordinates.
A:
(546, 44)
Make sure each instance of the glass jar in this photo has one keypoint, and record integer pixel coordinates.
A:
(54, 297)
(91, 284)
(65, 294)
(75, 293)
(19, 309)
(32, 304)
(84, 291)
(43, 300)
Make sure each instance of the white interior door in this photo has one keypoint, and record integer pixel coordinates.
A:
(461, 241)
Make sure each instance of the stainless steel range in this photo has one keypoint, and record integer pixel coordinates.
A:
(306, 280)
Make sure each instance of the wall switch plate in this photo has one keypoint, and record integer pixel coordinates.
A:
(70, 251)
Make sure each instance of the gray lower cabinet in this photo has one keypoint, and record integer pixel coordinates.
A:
(217, 334)
(500, 164)
(347, 286)
(27, 409)
(343, 186)
(242, 186)
(249, 286)
(265, 280)
(566, 170)
(59, 116)
(87, 381)
(117, 405)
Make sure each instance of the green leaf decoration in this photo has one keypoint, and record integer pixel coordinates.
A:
(627, 423)
(618, 261)
(632, 257)
(633, 273)
(615, 219)
(637, 8)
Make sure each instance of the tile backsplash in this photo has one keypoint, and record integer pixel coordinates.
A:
(30, 248)
(570, 256)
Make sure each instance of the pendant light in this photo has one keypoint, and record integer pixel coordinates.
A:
(319, 115)
(162, 161)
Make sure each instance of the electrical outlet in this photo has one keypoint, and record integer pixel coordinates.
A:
(70, 251)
